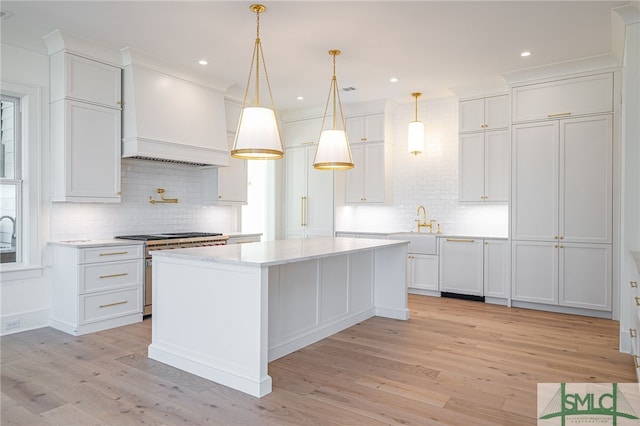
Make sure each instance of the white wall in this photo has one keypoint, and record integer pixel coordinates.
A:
(429, 179)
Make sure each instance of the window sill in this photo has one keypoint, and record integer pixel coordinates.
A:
(19, 272)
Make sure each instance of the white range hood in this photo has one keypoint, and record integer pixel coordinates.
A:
(170, 115)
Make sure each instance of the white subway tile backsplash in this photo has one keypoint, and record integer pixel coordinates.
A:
(135, 214)
(429, 179)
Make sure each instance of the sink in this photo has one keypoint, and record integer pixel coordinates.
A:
(418, 243)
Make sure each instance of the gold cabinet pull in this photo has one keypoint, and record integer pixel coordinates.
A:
(459, 240)
(635, 361)
(632, 332)
(113, 304)
(560, 114)
(303, 211)
(114, 253)
(633, 284)
(637, 299)
(114, 275)
(307, 143)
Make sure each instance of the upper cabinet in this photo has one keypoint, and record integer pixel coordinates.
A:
(85, 129)
(302, 132)
(488, 113)
(484, 149)
(370, 180)
(569, 97)
(366, 128)
(82, 79)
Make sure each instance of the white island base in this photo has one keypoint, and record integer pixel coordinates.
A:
(224, 312)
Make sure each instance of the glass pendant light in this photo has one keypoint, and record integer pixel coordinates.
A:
(257, 135)
(416, 132)
(333, 152)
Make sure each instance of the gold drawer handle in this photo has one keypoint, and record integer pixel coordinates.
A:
(114, 253)
(637, 299)
(561, 114)
(113, 304)
(635, 361)
(114, 275)
(632, 332)
(633, 284)
(459, 240)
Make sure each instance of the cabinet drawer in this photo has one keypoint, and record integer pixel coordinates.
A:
(110, 253)
(111, 275)
(102, 306)
(563, 98)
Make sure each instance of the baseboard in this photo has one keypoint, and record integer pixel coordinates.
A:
(30, 320)
(561, 309)
(462, 296)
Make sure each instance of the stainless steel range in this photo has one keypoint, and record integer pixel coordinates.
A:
(170, 241)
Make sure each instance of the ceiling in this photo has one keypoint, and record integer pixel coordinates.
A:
(430, 46)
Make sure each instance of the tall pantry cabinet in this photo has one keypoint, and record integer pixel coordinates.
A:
(562, 192)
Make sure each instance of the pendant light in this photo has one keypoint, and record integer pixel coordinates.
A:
(416, 132)
(333, 152)
(257, 135)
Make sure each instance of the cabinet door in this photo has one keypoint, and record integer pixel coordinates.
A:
(471, 115)
(423, 271)
(92, 145)
(586, 186)
(319, 201)
(232, 180)
(496, 112)
(534, 270)
(496, 166)
(302, 132)
(534, 198)
(92, 81)
(472, 167)
(496, 268)
(461, 266)
(296, 184)
(366, 128)
(354, 178)
(374, 173)
(585, 276)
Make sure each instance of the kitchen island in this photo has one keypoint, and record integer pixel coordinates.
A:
(224, 312)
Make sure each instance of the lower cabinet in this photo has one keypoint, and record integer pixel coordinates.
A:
(462, 266)
(96, 288)
(496, 268)
(576, 275)
(422, 271)
(634, 328)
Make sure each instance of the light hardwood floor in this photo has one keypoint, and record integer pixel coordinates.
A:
(454, 363)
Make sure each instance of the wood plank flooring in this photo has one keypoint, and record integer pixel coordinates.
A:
(454, 363)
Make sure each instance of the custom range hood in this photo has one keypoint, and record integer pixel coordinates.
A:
(170, 114)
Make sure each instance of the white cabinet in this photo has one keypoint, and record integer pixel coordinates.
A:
(303, 132)
(634, 327)
(562, 212)
(575, 275)
(461, 266)
(496, 268)
(96, 288)
(309, 195)
(85, 129)
(225, 185)
(422, 272)
(366, 128)
(488, 113)
(484, 166)
(367, 182)
(562, 180)
(563, 98)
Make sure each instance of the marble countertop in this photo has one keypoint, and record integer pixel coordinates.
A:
(269, 253)
(96, 243)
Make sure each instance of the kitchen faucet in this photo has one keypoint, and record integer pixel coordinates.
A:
(424, 220)
(13, 232)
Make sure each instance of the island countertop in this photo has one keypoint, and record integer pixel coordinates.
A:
(278, 252)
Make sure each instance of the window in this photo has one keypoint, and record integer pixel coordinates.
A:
(10, 179)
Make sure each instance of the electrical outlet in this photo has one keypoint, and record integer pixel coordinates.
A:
(11, 324)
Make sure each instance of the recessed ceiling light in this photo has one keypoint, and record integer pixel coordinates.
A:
(394, 79)
(300, 98)
(203, 62)
(525, 54)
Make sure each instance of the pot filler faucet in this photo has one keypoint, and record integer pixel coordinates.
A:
(13, 229)
(424, 220)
